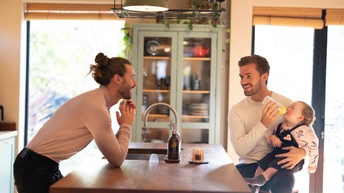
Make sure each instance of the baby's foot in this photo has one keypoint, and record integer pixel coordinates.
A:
(256, 181)
(255, 189)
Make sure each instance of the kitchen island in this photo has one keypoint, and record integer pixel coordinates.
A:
(219, 175)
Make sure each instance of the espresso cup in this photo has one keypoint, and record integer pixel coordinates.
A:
(197, 154)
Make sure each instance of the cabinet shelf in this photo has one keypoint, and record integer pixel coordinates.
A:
(197, 59)
(195, 91)
(157, 58)
(184, 91)
(195, 116)
(155, 91)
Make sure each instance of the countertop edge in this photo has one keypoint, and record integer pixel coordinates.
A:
(7, 134)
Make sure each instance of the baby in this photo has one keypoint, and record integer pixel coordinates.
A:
(295, 131)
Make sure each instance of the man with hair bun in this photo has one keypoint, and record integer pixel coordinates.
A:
(77, 122)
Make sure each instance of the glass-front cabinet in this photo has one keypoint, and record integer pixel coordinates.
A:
(180, 67)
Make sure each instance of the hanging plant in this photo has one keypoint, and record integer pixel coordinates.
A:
(127, 42)
(195, 5)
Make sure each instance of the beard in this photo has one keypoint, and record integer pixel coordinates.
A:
(125, 90)
(126, 93)
(253, 90)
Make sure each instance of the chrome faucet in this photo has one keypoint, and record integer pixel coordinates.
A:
(175, 126)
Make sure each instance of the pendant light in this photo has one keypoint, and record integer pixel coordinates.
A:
(146, 5)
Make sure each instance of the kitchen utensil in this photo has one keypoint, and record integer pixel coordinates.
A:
(200, 51)
(152, 47)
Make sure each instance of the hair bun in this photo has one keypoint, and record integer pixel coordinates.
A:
(102, 60)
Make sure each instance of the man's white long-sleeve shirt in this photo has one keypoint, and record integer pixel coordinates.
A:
(248, 135)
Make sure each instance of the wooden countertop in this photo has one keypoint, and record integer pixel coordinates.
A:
(7, 126)
(219, 175)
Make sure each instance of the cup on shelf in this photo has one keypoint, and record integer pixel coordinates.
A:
(158, 82)
(195, 84)
(167, 81)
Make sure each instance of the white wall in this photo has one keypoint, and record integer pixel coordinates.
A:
(11, 60)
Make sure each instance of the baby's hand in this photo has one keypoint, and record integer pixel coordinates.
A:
(276, 142)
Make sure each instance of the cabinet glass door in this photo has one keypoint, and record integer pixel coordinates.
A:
(156, 84)
(156, 74)
(177, 66)
(196, 79)
(197, 72)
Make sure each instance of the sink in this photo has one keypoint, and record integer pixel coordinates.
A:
(137, 156)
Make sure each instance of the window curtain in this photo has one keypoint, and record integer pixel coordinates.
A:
(285, 16)
(56, 11)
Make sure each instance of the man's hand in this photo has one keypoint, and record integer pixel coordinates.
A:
(128, 109)
(291, 158)
(269, 113)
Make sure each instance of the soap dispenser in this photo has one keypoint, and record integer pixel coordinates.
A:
(174, 144)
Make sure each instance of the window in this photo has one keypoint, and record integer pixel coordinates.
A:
(334, 118)
(320, 50)
(289, 51)
(60, 54)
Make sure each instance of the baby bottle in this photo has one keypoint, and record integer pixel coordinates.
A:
(281, 108)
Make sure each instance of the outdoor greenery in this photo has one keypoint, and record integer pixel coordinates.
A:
(60, 55)
(199, 5)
